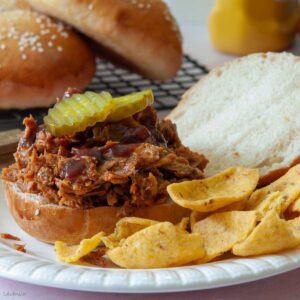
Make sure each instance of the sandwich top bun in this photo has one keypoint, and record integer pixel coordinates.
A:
(50, 223)
(245, 113)
(39, 59)
(140, 33)
(13, 4)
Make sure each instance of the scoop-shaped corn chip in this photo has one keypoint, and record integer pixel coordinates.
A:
(72, 254)
(295, 222)
(271, 235)
(288, 185)
(240, 205)
(125, 228)
(221, 231)
(210, 194)
(158, 246)
(295, 206)
(274, 201)
(184, 223)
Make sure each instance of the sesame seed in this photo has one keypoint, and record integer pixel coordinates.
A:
(90, 6)
(53, 37)
(59, 49)
(24, 56)
(40, 50)
(64, 34)
(50, 44)
(37, 212)
(141, 5)
(3, 46)
(44, 32)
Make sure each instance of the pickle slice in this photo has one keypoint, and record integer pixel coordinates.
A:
(78, 112)
(130, 104)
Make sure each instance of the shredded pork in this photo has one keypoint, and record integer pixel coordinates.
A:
(128, 163)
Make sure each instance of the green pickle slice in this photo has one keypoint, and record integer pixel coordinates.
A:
(130, 104)
(80, 111)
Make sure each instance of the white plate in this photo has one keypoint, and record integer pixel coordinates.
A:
(38, 266)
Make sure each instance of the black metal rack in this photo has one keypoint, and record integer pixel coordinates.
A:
(120, 81)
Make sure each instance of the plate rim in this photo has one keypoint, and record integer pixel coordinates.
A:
(223, 273)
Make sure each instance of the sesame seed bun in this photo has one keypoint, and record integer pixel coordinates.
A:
(141, 34)
(50, 223)
(13, 4)
(39, 59)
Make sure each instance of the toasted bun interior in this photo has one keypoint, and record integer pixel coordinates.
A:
(50, 223)
(142, 34)
(245, 113)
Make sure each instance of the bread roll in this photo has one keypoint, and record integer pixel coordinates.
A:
(140, 33)
(50, 223)
(39, 59)
(245, 113)
(13, 4)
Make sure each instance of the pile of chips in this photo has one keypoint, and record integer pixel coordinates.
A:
(228, 216)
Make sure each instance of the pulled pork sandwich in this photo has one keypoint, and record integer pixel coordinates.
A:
(94, 160)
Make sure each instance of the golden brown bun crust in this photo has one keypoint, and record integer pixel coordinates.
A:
(39, 59)
(50, 223)
(142, 33)
(13, 4)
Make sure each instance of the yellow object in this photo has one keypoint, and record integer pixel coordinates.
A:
(209, 194)
(129, 105)
(288, 187)
(247, 26)
(221, 231)
(72, 254)
(125, 228)
(271, 235)
(158, 246)
(80, 111)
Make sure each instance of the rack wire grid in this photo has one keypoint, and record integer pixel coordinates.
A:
(119, 81)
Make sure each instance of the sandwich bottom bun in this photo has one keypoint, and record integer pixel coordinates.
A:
(50, 223)
(39, 59)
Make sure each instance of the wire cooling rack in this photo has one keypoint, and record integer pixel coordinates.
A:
(118, 81)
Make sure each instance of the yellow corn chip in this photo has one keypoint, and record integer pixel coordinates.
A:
(221, 231)
(240, 205)
(72, 254)
(209, 194)
(196, 217)
(125, 228)
(184, 223)
(270, 236)
(288, 185)
(158, 246)
(274, 201)
(295, 206)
